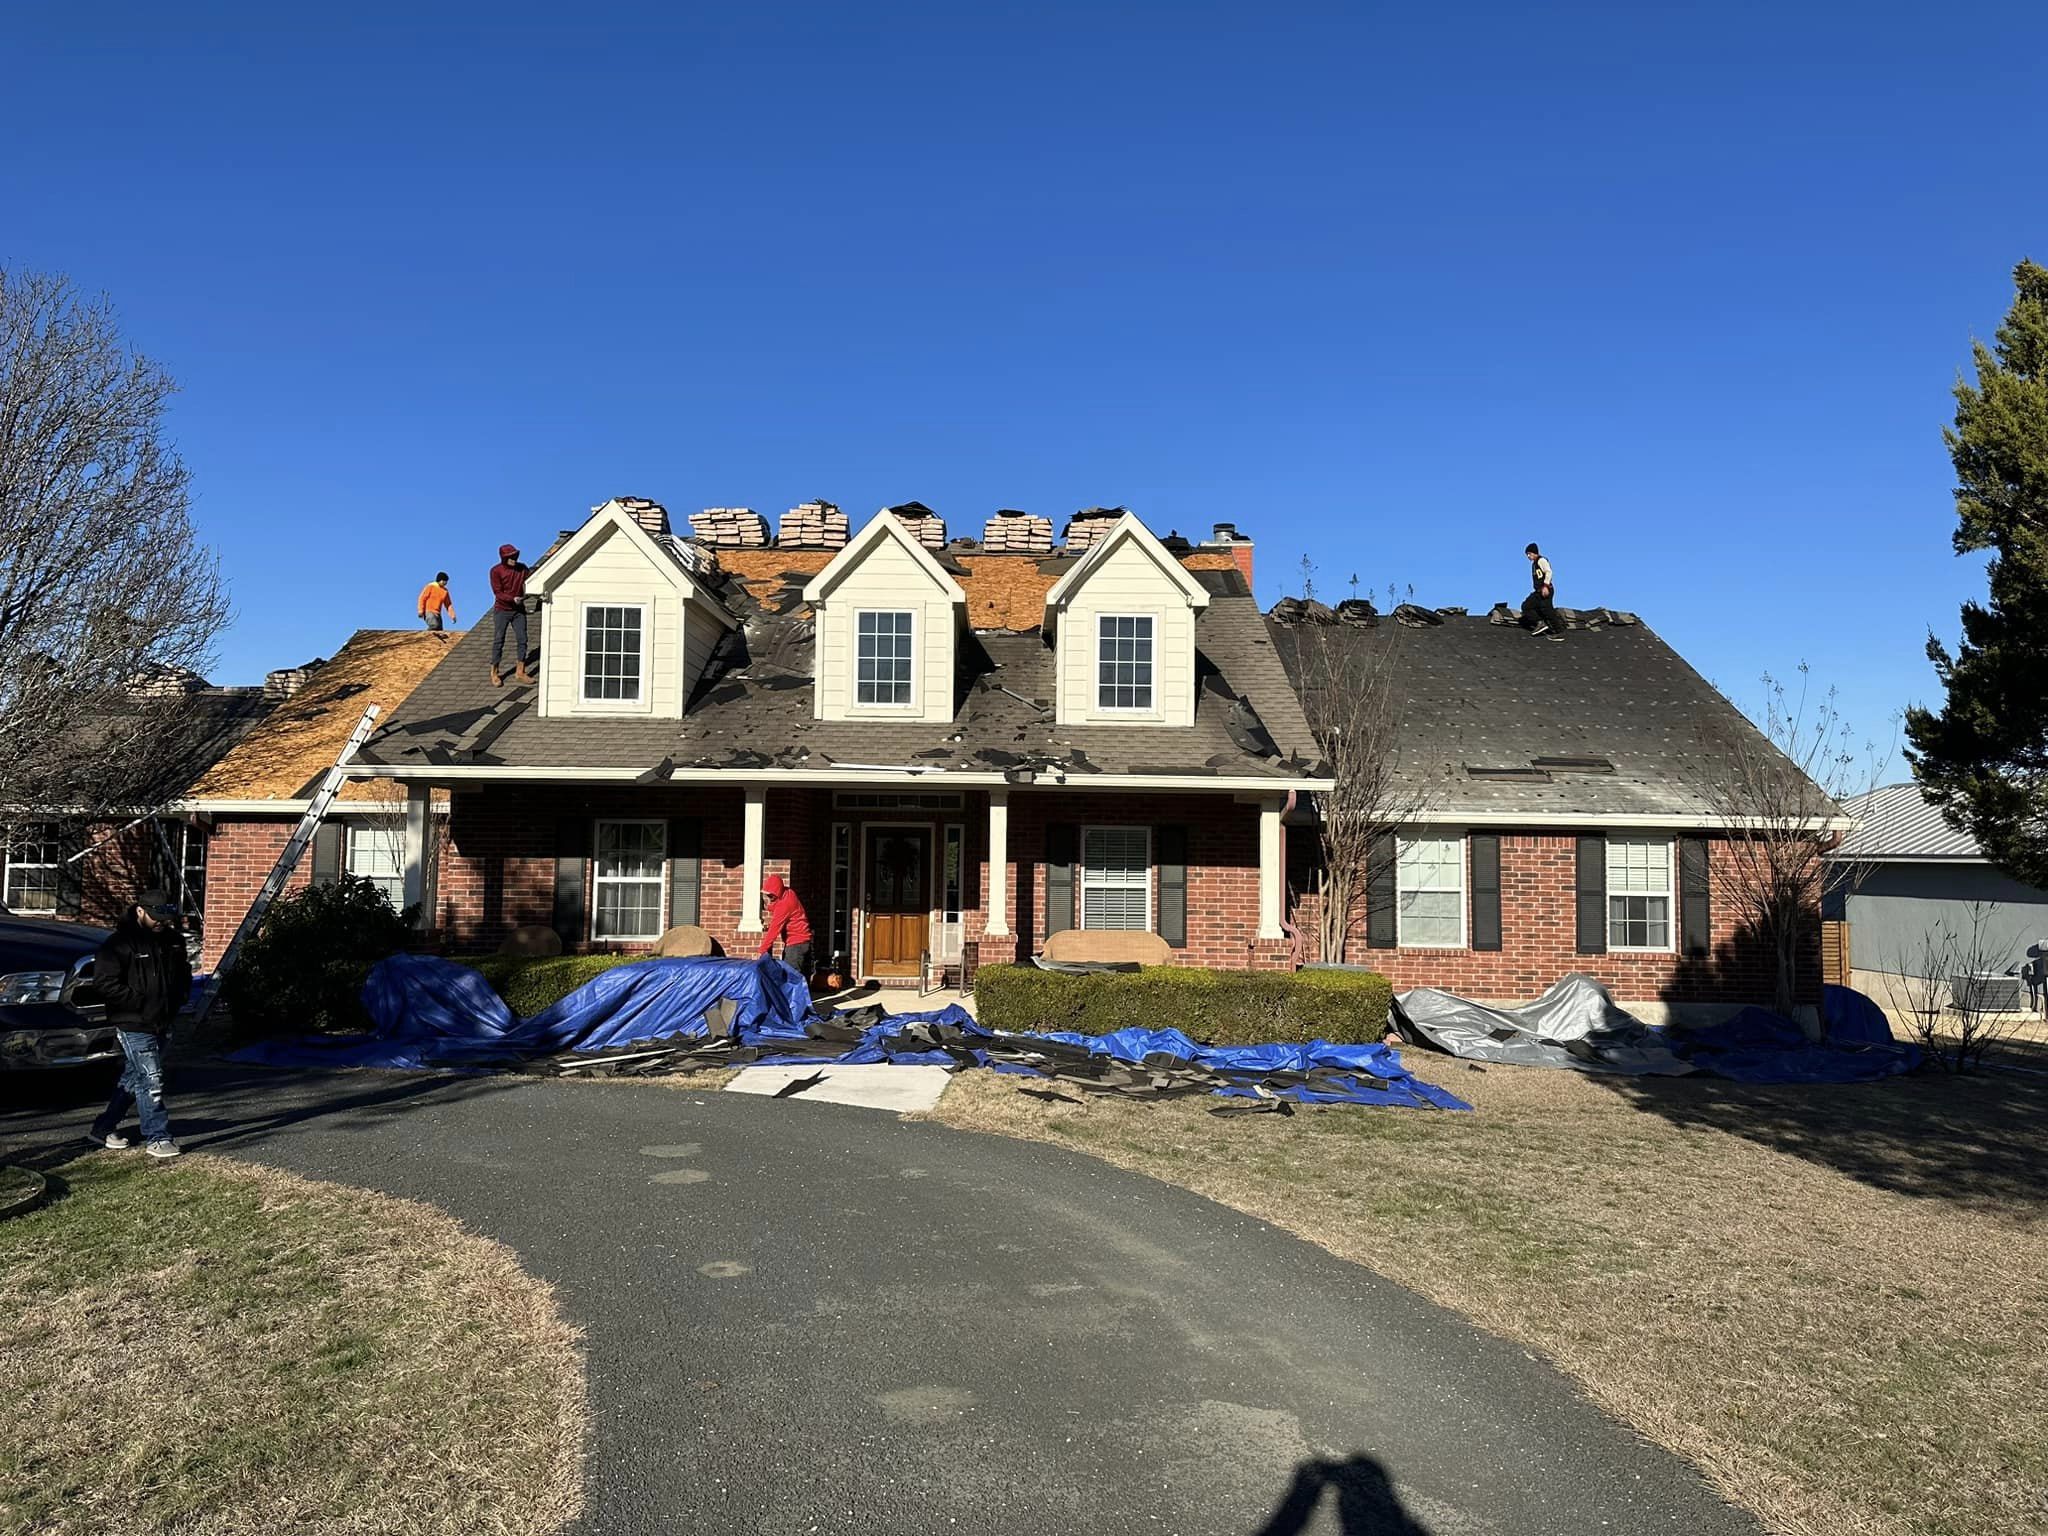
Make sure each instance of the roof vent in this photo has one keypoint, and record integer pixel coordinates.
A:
(1509, 775)
(1575, 764)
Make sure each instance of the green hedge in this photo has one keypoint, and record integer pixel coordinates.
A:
(303, 969)
(1221, 1007)
(531, 984)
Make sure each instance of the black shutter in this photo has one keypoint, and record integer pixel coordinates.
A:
(685, 870)
(327, 851)
(1059, 876)
(1486, 891)
(572, 847)
(71, 872)
(970, 870)
(1170, 853)
(1380, 929)
(1695, 905)
(1592, 892)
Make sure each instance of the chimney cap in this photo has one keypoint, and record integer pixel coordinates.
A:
(1226, 533)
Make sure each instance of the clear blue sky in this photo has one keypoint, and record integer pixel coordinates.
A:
(1679, 291)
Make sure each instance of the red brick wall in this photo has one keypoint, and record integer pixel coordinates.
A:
(240, 854)
(1539, 933)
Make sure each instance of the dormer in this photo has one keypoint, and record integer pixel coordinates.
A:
(888, 617)
(1122, 623)
(628, 628)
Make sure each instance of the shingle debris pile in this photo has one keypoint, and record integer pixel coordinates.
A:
(921, 520)
(1011, 532)
(814, 525)
(730, 527)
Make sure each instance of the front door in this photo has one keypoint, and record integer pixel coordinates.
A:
(897, 899)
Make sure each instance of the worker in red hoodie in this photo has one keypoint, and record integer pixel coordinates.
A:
(508, 588)
(787, 921)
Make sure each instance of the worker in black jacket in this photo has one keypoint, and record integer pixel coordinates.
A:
(143, 976)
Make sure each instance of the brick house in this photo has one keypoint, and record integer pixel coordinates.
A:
(242, 809)
(1570, 824)
(950, 750)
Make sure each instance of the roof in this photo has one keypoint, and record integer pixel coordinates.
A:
(1897, 822)
(181, 736)
(675, 558)
(1128, 530)
(1482, 703)
(884, 527)
(283, 757)
(753, 709)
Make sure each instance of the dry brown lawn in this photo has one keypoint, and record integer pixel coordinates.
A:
(1832, 1300)
(205, 1348)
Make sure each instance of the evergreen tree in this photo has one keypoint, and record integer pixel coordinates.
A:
(1984, 757)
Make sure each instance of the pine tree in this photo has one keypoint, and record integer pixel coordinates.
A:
(1984, 757)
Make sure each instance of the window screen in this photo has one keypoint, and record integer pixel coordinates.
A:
(611, 653)
(882, 658)
(1638, 893)
(1431, 905)
(1123, 664)
(627, 879)
(1116, 878)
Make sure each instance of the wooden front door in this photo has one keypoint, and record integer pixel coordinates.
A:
(897, 899)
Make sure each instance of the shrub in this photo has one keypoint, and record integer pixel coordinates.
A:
(1221, 1007)
(531, 983)
(303, 969)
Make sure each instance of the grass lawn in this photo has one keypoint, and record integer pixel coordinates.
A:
(1833, 1300)
(208, 1347)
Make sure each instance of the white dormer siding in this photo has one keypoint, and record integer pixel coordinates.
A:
(885, 575)
(625, 631)
(1132, 592)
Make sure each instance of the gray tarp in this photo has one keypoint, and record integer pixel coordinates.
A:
(1575, 1024)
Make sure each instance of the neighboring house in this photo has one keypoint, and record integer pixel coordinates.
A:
(1905, 873)
(55, 862)
(1566, 827)
(950, 753)
(244, 807)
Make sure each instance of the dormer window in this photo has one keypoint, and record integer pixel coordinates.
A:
(883, 657)
(613, 639)
(1123, 667)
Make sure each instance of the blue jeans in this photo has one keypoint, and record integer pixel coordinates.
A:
(500, 619)
(142, 1086)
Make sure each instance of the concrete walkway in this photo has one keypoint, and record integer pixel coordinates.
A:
(811, 1318)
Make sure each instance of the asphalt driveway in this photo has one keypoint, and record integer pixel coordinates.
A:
(803, 1317)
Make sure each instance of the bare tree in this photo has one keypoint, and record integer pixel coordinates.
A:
(1347, 663)
(1777, 786)
(106, 593)
(1952, 997)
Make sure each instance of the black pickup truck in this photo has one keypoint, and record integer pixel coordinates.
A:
(49, 1016)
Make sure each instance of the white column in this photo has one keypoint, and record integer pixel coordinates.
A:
(998, 862)
(1271, 894)
(419, 852)
(750, 895)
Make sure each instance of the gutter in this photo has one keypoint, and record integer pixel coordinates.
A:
(841, 775)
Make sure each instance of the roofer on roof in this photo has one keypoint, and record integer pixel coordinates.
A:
(1538, 610)
(435, 601)
(508, 586)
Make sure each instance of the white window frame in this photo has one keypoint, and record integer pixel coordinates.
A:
(32, 832)
(584, 698)
(598, 879)
(369, 834)
(892, 707)
(952, 918)
(1464, 888)
(1096, 663)
(1669, 893)
(1081, 906)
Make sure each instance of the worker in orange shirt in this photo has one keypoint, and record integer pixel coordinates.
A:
(435, 601)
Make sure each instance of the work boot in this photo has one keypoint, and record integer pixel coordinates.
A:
(497, 678)
(522, 675)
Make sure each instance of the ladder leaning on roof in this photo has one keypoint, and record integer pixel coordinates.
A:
(287, 861)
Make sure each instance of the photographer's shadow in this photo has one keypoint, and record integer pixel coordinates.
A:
(1366, 1504)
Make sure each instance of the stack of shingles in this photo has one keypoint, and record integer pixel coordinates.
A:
(921, 520)
(730, 527)
(651, 515)
(1011, 532)
(1088, 525)
(814, 525)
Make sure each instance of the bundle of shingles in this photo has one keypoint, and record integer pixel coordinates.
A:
(1011, 532)
(921, 520)
(1088, 525)
(651, 515)
(814, 525)
(730, 527)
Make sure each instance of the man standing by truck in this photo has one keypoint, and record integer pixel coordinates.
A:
(143, 976)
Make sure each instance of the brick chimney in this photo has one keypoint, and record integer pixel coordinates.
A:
(1229, 541)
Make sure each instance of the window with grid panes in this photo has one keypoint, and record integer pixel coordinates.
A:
(882, 658)
(1431, 892)
(626, 881)
(375, 854)
(1123, 661)
(612, 639)
(35, 856)
(1116, 877)
(1638, 893)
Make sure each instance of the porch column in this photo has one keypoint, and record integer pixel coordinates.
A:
(419, 853)
(1271, 875)
(750, 894)
(998, 862)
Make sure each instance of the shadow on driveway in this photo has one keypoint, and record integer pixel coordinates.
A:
(1366, 1504)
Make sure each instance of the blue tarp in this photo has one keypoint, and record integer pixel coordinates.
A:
(1758, 1046)
(434, 1013)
